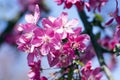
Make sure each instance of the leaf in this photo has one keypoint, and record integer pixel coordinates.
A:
(98, 17)
(78, 62)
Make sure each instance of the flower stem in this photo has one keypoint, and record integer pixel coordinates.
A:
(96, 46)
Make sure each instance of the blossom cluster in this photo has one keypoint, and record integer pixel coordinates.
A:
(89, 73)
(57, 38)
(95, 4)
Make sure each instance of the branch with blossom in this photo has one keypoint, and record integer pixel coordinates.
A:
(65, 46)
(58, 39)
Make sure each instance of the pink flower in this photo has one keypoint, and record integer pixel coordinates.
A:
(110, 42)
(61, 58)
(78, 42)
(30, 4)
(66, 53)
(45, 40)
(66, 26)
(34, 73)
(24, 41)
(33, 18)
(114, 15)
(90, 74)
(61, 24)
(97, 4)
(43, 78)
(59, 2)
(34, 62)
(115, 40)
(23, 44)
(88, 54)
(78, 3)
(117, 33)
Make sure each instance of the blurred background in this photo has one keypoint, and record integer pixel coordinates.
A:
(13, 63)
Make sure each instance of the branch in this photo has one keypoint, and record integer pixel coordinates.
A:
(96, 46)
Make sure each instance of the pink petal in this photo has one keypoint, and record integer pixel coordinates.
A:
(43, 78)
(64, 17)
(109, 22)
(118, 32)
(98, 76)
(53, 62)
(50, 32)
(96, 71)
(59, 2)
(68, 5)
(28, 27)
(30, 59)
(59, 30)
(36, 42)
(58, 23)
(52, 19)
(36, 14)
(78, 30)
(118, 19)
(87, 6)
(82, 38)
(20, 28)
(80, 5)
(29, 18)
(45, 49)
(31, 74)
(38, 32)
(72, 23)
(47, 23)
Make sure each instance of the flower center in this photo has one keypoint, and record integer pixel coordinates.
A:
(46, 39)
(75, 45)
(91, 77)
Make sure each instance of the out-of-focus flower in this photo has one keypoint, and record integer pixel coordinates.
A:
(113, 62)
(97, 4)
(34, 73)
(114, 15)
(33, 18)
(43, 78)
(78, 3)
(91, 74)
(88, 54)
(30, 4)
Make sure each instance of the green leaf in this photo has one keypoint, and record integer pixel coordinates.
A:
(78, 62)
(98, 17)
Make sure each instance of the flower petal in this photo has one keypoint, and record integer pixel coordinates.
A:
(29, 18)
(36, 14)
(109, 22)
